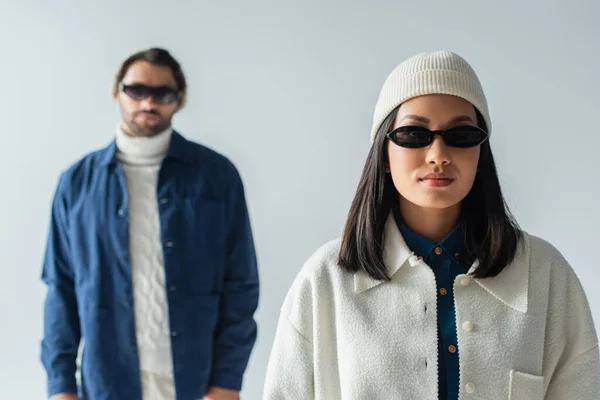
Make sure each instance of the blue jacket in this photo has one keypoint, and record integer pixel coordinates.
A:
(210, 267)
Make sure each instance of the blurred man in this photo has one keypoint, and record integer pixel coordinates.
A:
(150, 259)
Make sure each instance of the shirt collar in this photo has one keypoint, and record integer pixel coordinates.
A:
(453, 244)
(509, 287)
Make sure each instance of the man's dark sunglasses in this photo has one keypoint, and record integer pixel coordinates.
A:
(160, 94)
(416, 137)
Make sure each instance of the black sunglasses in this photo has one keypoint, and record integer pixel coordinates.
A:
(160, 94)
(416, 137)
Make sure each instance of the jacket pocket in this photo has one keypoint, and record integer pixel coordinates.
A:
(525, 386)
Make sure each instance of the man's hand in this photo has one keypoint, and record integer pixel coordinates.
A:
(221, 394)
(64, 397)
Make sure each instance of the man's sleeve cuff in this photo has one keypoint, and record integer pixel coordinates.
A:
(227, 381)
(61, 386)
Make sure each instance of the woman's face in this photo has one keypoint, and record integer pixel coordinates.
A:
(437, 176)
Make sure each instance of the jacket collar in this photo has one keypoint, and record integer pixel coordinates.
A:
(396, 254)
(179, 149)
(510, 286)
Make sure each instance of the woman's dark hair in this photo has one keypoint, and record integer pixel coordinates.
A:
(490, 232)
(154, 56)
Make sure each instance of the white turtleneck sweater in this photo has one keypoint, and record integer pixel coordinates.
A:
(141, 158)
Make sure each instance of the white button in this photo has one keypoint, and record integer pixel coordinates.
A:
(172, 288)
(413, 261)
(470, 387)
(466, 281)
(468, 326)
(173, 334)
(121, 213)
(169, 244)
(164, 201)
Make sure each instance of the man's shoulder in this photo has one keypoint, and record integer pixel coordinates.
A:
(205, 157)
(78, 171)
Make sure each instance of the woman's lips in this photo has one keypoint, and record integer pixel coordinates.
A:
(437, 180)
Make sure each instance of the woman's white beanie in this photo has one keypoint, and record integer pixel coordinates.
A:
(441, 72)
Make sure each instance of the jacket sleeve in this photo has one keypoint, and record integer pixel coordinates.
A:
(571, 357)
(61, 335)
(577, 380)
(290, 369)
(236, 330)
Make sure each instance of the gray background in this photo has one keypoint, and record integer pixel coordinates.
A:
(287, 90)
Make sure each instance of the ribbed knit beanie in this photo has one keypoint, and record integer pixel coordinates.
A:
(441, 72)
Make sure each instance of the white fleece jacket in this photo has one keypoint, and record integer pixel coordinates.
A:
(526, 334)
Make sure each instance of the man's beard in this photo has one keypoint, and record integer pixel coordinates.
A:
(147, 131)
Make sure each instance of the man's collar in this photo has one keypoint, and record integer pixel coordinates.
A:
(179, 149)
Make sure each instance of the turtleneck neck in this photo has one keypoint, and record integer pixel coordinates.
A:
(143, 150)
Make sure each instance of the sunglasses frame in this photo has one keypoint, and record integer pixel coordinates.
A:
(432, 134)
(123, 88)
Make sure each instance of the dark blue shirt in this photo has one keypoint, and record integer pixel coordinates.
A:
(447, 260)
(210, 268)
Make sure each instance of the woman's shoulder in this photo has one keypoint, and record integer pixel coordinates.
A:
(322, 266)
(323, 258)
(318, 278)
(540, 249)
(543, 256)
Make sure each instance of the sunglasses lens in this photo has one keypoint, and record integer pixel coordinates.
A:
(166, 97)
(137, 92)
(465, 136)
(411, 137)
(162, 95)
(415, 137)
